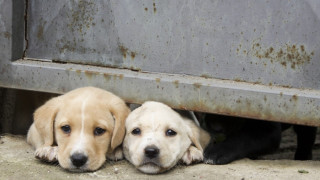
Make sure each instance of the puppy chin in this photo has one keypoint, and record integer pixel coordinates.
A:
(152, 167)
(85, 168)
(78, 170)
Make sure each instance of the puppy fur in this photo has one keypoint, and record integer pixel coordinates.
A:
(242, 138)
(236, 138)
(79, 129)
(157, 137)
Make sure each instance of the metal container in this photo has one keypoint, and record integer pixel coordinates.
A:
(257, 59)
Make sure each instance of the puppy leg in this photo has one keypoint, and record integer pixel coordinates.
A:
(47, 153)
(193, 154)
(255, 138)
(116, 155)
(34, 138)
(305, 140)
(43, 152)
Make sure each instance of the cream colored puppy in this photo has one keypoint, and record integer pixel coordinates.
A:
(157, 138)
(79, 129)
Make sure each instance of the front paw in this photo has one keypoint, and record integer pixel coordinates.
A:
(116, 155)
(47, 153)
(218, 154)
(192, 155)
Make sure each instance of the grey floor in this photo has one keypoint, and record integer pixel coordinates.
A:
(17, 161)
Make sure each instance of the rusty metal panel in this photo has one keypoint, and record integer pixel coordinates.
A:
(179, 91)
(11, 31)
(266, 42)
(256, 59)
(5, 30)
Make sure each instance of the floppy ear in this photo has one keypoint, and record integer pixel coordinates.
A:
(194, 135)
(198, 136)
(44, 120)
(120, 111)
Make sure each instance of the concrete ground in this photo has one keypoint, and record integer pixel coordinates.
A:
(17, 161)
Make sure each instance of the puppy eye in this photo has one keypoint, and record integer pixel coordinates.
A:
(170, 132)
(99, 131)
(136, 131)
(66, 129)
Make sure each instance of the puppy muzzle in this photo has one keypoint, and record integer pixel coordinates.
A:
(151, 157)
(151, 152)
(78, 159)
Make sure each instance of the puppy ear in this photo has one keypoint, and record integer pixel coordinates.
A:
(194, 135)
(199, 139)
(198, 136)
(120, 111)
(44, 120)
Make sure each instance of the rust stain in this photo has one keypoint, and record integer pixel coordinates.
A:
(124, 51)
(176, 83)
(78, 71)
(205, 76)
(89, 74)
(286, 55)
(82, 16)
(133, 55)
(245, 108)
(238, 80)
(67, 46)
(120, 76)
(146, 9)
(295, 97)
(200, 106)
(107, 76)
(7, 35)
(154, 7)
(81, 19)
(197, 85)
(158, 80)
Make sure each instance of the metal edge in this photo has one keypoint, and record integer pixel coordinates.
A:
(299, 106)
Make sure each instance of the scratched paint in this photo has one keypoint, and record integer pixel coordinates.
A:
(260, 63)
(198, 39)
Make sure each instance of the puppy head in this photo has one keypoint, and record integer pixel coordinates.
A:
(86, 124)
(157, 137)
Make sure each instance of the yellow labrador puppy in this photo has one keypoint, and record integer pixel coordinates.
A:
(79, 129)
(157, 138)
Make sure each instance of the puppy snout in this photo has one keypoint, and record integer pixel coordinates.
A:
(78, 159)
(151, 152)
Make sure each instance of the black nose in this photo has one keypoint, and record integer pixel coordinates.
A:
(151, 152)
(78, 159)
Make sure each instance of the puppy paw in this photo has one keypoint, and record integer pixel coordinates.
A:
(219, 155)
(192, 155)
(116, 155)
(48, 153)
